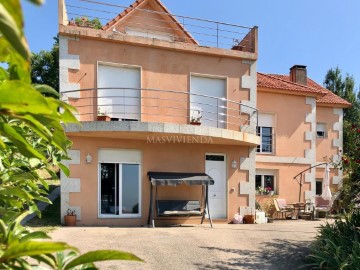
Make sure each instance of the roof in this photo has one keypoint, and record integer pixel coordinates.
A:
(138, 4)
(283, 82)
(176, 178)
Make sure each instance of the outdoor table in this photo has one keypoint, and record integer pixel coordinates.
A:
(298, 206)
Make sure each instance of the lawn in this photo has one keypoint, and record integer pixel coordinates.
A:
(50, 217)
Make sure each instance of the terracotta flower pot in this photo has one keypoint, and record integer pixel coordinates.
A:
(103, 118)
(70, 220)
(249, 219)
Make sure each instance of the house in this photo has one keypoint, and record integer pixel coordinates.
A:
(301, 126)
(158, 92)
(180, 97)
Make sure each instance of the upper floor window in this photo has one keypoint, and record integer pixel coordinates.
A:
(265, 130)
(321, 130)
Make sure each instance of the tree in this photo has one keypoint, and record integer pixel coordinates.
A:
(345, 88)
(31, 137)
(45, 66)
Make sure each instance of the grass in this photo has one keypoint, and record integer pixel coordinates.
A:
(50, 218)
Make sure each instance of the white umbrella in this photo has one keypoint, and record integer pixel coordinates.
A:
(326, 192)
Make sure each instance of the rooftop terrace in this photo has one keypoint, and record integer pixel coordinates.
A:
(151, 19)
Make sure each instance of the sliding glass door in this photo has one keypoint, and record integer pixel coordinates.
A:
(119, 190)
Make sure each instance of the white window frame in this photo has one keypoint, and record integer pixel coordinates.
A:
(263, 173)
(197, 107)
(321, 128)
(100, 215)
(122, 65)
(259, 148)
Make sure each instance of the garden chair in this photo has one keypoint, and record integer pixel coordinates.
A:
(283, 209)
(309, 210)
(323, 206)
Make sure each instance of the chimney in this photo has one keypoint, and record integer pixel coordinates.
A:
(298, 74)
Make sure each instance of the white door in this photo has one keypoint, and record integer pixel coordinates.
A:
(124, 102)
(215, 167)
(207, 97)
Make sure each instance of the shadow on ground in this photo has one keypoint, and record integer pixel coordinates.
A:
(277, 254)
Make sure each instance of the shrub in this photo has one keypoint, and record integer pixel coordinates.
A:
(337, 245)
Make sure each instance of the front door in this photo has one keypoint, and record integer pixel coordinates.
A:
(215, 167)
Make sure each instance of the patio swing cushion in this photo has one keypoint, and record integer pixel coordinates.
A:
(178, 208)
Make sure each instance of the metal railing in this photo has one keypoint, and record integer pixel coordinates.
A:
(183, 29)
(165, 106)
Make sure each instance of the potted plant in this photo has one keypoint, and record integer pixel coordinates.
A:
(85, 22)
(195, 121)
(195, 118)
(101, 116)
(269, 208)
(70, 218)
(269, 191)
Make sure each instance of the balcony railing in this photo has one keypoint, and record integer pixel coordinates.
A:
(165, 106)
(197, 31)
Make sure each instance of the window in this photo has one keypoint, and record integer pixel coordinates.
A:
(265, 181)
(318, 186)
(321, 130)
(207, 100)
(119, 190)
(265, 130)
(266, 140)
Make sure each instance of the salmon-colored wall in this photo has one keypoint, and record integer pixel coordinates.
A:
(153, 22)
(290, 127)
(324, 147)
(287, 187)
(155, 157)
(160, 69)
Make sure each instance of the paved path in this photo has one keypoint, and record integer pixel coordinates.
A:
(278, 245)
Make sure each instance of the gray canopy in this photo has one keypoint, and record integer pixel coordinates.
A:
(175, 179)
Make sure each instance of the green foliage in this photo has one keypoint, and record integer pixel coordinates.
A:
(45, 66)
(85, 22)
(18, 244)
(32, 138)
(345, 88)
(337, 245)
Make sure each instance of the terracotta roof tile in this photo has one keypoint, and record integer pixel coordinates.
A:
(283, 82)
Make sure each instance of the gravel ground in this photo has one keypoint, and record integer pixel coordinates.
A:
(278, 245)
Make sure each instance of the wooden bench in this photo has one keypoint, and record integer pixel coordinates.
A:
(178, 208)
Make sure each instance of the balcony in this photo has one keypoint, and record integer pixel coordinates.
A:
(154, 23)
(119, 108)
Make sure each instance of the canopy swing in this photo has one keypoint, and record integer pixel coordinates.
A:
(170, 209)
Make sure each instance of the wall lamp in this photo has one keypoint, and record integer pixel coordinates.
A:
(234, 164)
(88, 158)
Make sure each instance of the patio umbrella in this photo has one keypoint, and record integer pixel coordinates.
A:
(326, 192)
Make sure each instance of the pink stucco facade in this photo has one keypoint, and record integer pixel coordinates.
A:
(172, 73)
(177, 105)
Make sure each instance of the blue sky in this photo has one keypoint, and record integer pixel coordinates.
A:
(319, 34)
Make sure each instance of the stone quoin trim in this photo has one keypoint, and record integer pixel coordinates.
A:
(70, 185)
(67, 61)
(249, 82)
(338, 143)
(311, 153)
(248, 187)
